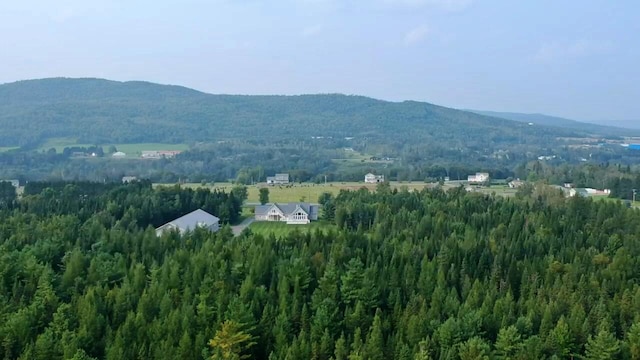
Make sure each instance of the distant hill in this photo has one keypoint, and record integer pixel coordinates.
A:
(102, 111)
(628, 124)
(546, 120)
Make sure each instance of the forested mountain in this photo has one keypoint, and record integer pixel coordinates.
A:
(394, 275)
(546, 120)
(100, 111)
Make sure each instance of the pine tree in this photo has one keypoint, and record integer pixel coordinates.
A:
(341, 351)
(633, 341)
(356, 346)
(424, 350)
(508, 343)
(374, 347)
(474, 349)
(230, 342)
(264, 196)
(603, 346)
(560, 341)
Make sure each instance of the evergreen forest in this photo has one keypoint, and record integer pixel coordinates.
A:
(392, 274)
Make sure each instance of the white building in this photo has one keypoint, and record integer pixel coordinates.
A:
(478, 178)
(159, 154)
(118, 154)
(279, 179)
(373, 179)
(128, 179)
(291, 213)
(191, 221)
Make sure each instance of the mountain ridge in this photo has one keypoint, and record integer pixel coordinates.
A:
(106, 111)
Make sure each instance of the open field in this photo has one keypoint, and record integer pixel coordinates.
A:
(308, 191)
(60, 143)
(136, 149)
(130, 149)
(8, 148)
(358, 157)
(604, 198)
(282, 229)
(501, 190)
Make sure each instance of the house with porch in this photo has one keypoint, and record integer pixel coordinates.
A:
(189, 222)
(291, 213)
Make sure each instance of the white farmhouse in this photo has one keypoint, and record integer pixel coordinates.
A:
(478, 178)
(291, 213)
(373, 179)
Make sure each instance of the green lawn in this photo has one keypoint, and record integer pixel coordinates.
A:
(8, 148)
(501, 190)
(60, 143)
(281, 229)
(132, 150)
(136, 149)
(309, 191)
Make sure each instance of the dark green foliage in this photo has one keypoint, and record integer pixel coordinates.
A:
(243, 138)
(8, 195)
(407, 275)
(143, 112)
(264, 196)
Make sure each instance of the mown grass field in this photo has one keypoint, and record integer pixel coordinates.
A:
(308, 191)
(282, 229)
(136, 149)
(132, 150)
(501, 190)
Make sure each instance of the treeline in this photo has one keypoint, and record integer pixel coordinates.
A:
(398, 275)
(245, 162)
(137, 204)
(620, 179)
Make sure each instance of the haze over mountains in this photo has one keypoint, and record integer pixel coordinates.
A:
(103, 111)
(614, 127)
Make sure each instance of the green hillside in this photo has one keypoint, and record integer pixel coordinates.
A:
(102, 111)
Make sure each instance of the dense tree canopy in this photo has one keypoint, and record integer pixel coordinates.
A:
(397, 275)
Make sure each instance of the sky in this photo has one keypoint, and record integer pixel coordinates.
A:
(572, 58)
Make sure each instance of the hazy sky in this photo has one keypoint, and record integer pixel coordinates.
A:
(578, 59)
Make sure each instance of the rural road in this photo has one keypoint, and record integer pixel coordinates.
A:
(237, 229)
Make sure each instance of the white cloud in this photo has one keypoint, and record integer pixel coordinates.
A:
(416, 35)
(447, 5)
(563, 51)
(311, 30)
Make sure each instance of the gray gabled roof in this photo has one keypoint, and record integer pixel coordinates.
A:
(193, 219)
(287, 208)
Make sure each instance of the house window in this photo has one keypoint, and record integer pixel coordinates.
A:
(299, 216)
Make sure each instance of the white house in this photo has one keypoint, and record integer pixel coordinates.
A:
(159, 154)
(128, 179)
(373, 179)
(515, 184)
(478, 178)
(279, 179)
(291, 213)
(191, 221)
(118, 154)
